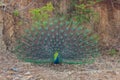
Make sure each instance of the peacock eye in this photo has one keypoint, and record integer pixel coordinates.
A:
(61, 24)
(57, 34)
(57, 27)
(46, 28)
(65, 34)
(39, 28)
(61, 31)
(42, 33)
(71, 33)
(61, 37)
(56, 21)
(51, 24)
(52, 30)
(48, 34)
(67, 28)
(73, 28)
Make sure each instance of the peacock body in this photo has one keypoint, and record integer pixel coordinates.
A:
(57, 41)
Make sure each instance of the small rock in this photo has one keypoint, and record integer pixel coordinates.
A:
(117, 73)
(19, 76)
(27, 73)
(69, 72)
(16, 78)
(27, 78)
(14, 69)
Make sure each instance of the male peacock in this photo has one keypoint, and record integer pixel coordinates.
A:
(57, 41)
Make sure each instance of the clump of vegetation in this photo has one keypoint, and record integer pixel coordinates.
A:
(16, 13)
(20, 23)
(112, 52)
(82, 10)
(43, 13)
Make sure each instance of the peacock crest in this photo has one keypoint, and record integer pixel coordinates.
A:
(58, 41)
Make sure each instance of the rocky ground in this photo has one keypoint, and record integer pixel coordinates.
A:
(104, 68)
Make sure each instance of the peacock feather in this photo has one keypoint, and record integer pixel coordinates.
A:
(58, 41)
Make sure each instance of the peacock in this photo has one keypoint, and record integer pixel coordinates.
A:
(57, 40)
